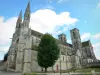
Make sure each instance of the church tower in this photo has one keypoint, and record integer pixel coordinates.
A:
(62, 37)
(23, 39)
(26, 20)
(76, 40)
(76, 43)
(13, 47)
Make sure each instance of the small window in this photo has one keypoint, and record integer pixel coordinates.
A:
(74, 35)
(61, 38)
(17, 40)
(28, 15)
(19, 25)
(63, 58)
(76, 45)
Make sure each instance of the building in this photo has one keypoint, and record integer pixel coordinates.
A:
(22, 55)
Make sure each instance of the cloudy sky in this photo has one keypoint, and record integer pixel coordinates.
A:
(53, 16)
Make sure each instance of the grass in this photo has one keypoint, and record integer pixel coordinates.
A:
(29, 74)
(88, 70)
(33, 74)
(84, 70)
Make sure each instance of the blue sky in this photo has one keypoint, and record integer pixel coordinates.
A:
(53, 16)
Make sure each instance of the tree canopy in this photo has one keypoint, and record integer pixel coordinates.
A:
(5, 57)
(48, 51)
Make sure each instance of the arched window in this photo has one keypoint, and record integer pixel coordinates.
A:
(63, 58)
(19, 25)
(28, 15)
(77, 45)
(17, 40)
(74, 35)
(65, 39)
(74, 44)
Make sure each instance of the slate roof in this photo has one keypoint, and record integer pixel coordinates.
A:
(68, 44)
(38, 34)
(63, 43)
(85, 43)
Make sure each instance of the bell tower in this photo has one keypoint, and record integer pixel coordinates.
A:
(76, 40)
(62, 37)
(13, 47)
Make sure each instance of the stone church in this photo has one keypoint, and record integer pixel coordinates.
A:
(22, 54)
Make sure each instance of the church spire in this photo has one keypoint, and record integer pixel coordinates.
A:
(27, 12)
(19, 20)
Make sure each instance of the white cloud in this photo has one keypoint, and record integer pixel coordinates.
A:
(4, 49)
(61, 1)
(85, 36)
(7, 29)
(97, 50)
(69, 41)
(96, 46)
(47, 20)
(98, 5)
(96, 36)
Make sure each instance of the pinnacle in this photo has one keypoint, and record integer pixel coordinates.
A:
(28, 7)
(27, 11)
(20, 17)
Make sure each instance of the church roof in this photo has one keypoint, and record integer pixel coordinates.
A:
(85, 43)
(68, 44)
(63, 43)
(36, 33)
(39, 35)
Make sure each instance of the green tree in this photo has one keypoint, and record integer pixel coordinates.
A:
(5, 57)
(48, 51)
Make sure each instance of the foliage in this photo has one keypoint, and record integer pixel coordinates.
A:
(29, 74)
(32, 74)
(96, 66)
(88, 70)
(48, 51)
(5, 57)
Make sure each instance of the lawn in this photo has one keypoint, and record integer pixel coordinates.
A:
(88, 70)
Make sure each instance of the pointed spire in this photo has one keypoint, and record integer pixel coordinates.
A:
(27, 12)
(20, 17)
(19, 20)
(28, 6)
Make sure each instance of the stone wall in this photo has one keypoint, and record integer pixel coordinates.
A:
(34, 64)
(36, 68)
(27, 61)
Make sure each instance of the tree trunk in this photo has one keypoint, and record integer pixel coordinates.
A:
(45, 69)
(42, 69)
(53, 69)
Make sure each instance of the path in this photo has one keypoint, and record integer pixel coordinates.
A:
(9, 73)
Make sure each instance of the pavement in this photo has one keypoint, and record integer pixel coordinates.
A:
(13, 73)
(9, 73)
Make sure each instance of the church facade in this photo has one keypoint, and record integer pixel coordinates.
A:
(22, 55)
